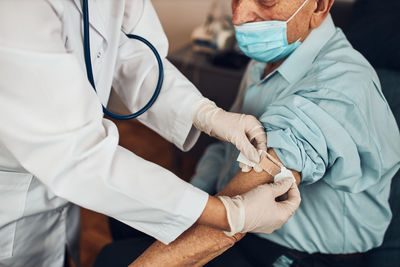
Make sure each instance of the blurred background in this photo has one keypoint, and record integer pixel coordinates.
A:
(191, 13)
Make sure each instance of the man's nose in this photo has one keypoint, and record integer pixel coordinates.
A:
(243, 11)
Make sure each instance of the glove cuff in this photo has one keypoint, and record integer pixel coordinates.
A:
(200, 104)
(235, 213)
(202, 114)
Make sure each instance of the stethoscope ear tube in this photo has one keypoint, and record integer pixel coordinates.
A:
(89, 69)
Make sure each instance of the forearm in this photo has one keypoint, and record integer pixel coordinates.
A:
(200, 244)
(195, 247)
(214, 215)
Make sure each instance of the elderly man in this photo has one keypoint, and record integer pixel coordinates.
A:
(326, 119)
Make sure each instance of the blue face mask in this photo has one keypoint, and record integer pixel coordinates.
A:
(266, 41)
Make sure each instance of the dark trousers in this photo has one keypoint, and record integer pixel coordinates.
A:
(251, 251)
(127, 246)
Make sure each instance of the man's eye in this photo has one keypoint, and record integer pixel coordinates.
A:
(267, 3)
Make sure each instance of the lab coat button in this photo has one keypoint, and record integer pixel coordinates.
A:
(99, 54)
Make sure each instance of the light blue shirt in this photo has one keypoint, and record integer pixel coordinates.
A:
(326, 117)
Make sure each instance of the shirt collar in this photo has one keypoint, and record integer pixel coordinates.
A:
(257, 71)
(306, 53)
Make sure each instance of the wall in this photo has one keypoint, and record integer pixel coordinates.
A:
(180, 17)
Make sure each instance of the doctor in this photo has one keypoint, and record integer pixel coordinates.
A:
(56, 147)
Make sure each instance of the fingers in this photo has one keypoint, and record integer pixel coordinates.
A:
(281, 187)
(289, 206)
(294, 197)
(282, 198)
(256, 134)
(246, 130)
(249, 151)
(246, 165)
(292, 203)
(247, 168)
(256, 131)
(260, 140)
(262, 146)
(250, 140)
(257, 168)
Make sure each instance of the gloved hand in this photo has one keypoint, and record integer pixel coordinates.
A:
(244, 131)
(257, 210)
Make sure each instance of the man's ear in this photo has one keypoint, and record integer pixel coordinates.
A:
(321, 11)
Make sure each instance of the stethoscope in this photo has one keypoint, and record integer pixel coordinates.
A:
(89, 71)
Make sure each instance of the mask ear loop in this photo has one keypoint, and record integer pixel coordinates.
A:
(297, 11)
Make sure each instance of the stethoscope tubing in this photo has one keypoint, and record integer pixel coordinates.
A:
(89, 69)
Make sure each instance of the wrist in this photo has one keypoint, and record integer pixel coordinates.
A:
(235, 213)
(199, 105)
(215, 215)
(201, 114)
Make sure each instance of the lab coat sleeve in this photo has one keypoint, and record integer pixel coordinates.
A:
(53, 126)
(209, 168)
(136, 74)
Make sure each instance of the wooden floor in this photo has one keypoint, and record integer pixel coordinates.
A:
(148, 145)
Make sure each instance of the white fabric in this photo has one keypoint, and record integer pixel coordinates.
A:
(55, 145)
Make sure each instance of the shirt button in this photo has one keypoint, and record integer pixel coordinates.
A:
(99, 54)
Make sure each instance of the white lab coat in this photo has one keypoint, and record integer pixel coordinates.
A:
(55, 145)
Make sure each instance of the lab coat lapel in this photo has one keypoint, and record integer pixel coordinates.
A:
(95, 19)
(132, 11)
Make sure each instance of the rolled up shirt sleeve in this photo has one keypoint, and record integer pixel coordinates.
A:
(324, 138)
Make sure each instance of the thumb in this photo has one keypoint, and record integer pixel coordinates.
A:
(281, 187)
(248, 150)
(260, 140)
(294, 197)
